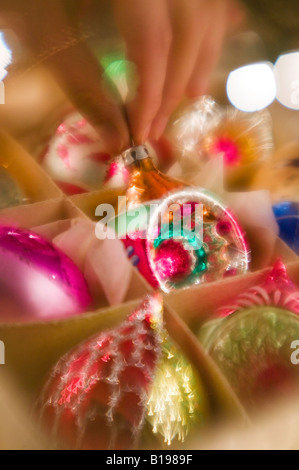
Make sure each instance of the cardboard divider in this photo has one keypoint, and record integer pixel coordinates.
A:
(41, 213)
(36, 185)
(17, 430)
(221, 394)
(88, 202)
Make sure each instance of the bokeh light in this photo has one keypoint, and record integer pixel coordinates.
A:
(252, 87)
(122, 74)
(5, 56)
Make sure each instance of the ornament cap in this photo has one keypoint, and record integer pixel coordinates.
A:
(135, 154)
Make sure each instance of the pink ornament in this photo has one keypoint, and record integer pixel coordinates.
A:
(37, 281)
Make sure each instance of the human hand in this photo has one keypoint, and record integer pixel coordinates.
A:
(174, 44)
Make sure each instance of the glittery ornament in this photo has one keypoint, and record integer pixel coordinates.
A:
(177, 401)
(192, 238)
(75, 158)
(243, 139)
(253, 350)
(252, 343)
(10, 193)
(100, 395)
(146, 184)
(192, 124)
(37, 281)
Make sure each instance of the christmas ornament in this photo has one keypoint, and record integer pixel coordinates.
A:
(191, 125)
(37, 281)
(245, 141)
(252, 343)
(287, 216)
(212, 244)
(253, 351)
(277, 290)
(75, 158)
(177, 400)
(10, 193)
(101, 395)
(204, 130)
(146, 184)
(193, 238)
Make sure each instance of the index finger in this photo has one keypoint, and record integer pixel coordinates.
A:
(146, 29)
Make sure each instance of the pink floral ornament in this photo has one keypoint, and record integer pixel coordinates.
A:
(75, 157)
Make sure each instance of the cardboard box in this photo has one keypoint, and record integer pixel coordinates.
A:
(36, 185)
(32, 349)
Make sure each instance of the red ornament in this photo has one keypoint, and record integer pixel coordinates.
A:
(277, 291)
(96, 396)
(136, 251)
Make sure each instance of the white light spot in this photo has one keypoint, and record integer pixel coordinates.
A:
(287, 76)
(5, 57)
(253, 87)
